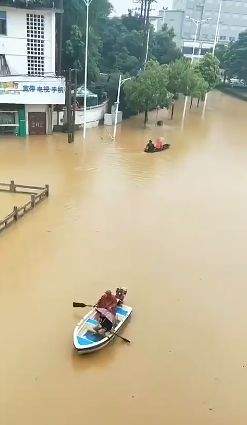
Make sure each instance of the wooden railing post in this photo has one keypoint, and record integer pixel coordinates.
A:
(12, 186)
(15, 213)
(32, 201)
(47, 189)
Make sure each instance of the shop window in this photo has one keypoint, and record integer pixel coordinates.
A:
(3, 24)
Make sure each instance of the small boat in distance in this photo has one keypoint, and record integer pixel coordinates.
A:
(164, 147)
(87, 340)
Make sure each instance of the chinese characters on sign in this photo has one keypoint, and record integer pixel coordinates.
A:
(43, 89)
(37, 91)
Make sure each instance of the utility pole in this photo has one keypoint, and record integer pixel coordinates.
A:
(216, 37)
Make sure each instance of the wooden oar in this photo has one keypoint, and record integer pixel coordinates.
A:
(119, 336)
(82, 305)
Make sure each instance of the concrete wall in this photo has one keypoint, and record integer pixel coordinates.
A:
(14, 44)
(94, 114)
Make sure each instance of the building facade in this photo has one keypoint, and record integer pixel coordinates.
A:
(29, 86)
(233, 20)
(173, 19)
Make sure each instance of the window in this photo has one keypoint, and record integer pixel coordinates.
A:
(222, 37)
(231, 38)
(3, 26)
(35, 44)
(4, 68)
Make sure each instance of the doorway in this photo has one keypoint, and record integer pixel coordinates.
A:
(37, 123)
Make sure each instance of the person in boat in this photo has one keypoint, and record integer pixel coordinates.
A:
(108, 301)
(159, 144)
(106, 321)
(120, 295)
(150, 146)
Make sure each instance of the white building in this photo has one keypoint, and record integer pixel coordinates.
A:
(29, 86)
(173, 19)
(233, 20)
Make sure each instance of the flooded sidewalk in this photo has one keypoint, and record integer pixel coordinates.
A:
(171, 227)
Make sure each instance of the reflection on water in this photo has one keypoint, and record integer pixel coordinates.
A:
(172, 228)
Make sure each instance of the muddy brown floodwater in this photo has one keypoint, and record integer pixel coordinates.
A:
(169, 226)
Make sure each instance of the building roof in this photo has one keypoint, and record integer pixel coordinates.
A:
(80, 92)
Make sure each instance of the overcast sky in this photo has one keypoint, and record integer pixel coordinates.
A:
(121, 6)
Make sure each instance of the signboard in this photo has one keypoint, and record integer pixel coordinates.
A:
(33, 91)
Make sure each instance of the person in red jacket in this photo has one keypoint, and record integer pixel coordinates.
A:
(108, 301)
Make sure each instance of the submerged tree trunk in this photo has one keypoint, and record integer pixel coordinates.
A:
(146, 117)
(172, 111)
(198, 103)
(191, 102)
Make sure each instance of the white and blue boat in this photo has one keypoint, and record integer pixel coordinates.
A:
(87, 340)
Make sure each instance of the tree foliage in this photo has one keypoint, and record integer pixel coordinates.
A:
(74, 35)
(149, 89)
(163, 47)
(208, 68)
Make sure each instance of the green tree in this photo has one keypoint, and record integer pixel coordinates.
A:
(209, 69)
(198, 88)
(149, 90)
(122, 45)
(238, 58)
(74, 53)
(178, 79)
(74, 35)
(162, 46)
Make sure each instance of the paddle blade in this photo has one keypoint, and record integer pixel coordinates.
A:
(82, 305)
(126, 340)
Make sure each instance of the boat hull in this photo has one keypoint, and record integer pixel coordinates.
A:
(86, 340)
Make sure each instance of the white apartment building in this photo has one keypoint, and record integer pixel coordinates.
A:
(29, 86)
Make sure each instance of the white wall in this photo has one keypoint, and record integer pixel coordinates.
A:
(94, 114)
(14, 44)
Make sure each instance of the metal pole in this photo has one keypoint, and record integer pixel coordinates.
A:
(213, 53)
(117, 106)
(192, 59)
(193, 51)
(147, 48)
(87, 3)
(217, 28)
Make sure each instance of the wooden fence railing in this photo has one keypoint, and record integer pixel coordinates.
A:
(37, 194)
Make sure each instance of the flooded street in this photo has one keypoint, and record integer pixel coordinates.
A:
(169, 226)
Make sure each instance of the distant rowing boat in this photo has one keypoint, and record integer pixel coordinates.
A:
(86, 340)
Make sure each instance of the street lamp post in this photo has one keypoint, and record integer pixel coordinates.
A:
(213, 52)
(147, 48)
(197, 22)
(120, 83)
(87, 3)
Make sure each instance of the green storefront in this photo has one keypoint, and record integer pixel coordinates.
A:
(13, 120)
